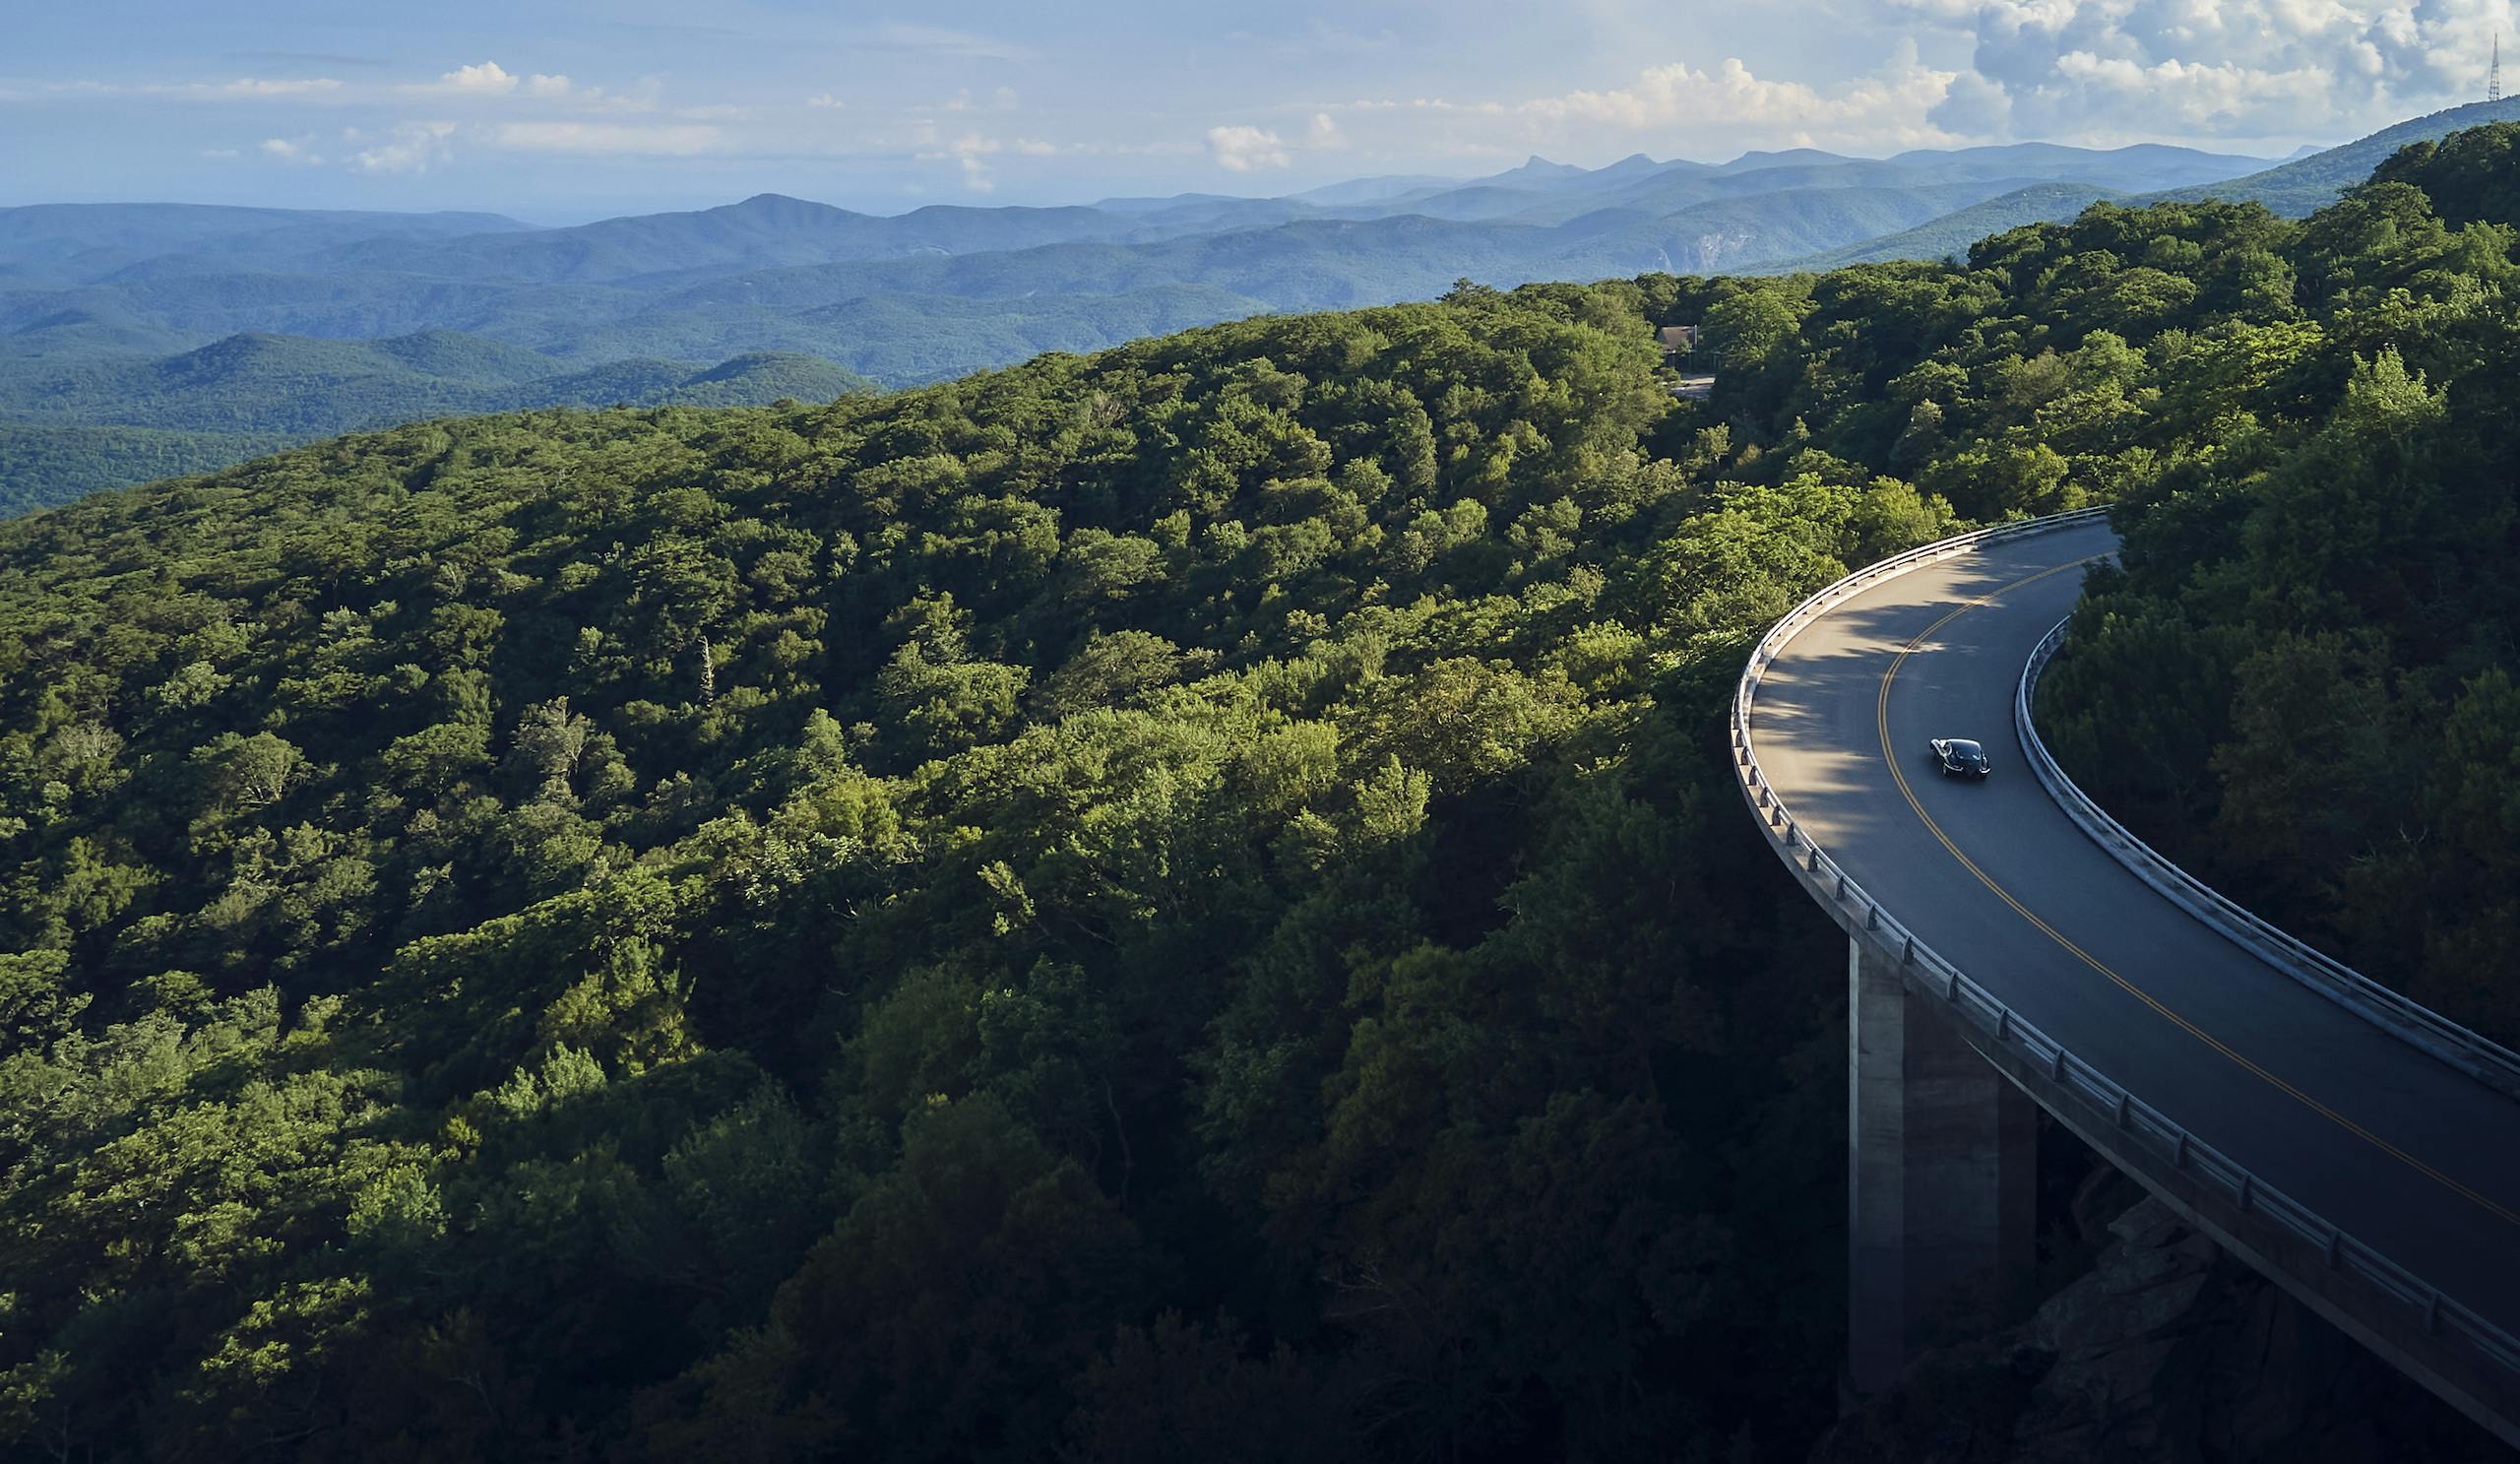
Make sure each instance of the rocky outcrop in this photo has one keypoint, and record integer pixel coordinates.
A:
(2167, 1350)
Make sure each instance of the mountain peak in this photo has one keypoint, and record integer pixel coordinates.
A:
(778, 206)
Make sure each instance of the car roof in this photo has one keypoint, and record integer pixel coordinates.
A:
(1963, 745)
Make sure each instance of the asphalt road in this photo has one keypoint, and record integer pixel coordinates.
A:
(2411, 1157)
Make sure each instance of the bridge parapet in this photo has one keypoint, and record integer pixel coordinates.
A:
(2480, 1058)
(2411, 1323)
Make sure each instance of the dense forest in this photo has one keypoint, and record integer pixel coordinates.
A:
(1183, 903)
(44, 466)
(2301, 685)
(70, 426)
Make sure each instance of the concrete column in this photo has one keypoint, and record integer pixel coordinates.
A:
(1941, 1166)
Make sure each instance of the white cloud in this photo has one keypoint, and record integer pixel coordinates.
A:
(970, 153)
(1723, 105)
(490, 79)
(662, 139)
(291, 151)
(1006, 100)
(411, 148)
(1243, 149)
(242, 88)
(1033, 146)
(827, 101)
(2198, 69)
(645, 95)
(258, 87)
(1889, 107)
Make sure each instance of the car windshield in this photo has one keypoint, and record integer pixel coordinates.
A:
(1967, 749)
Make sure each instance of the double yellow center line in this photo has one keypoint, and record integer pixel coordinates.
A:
(1881, 719)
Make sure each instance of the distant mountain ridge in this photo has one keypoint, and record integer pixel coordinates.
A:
(2301, 185)
(630, 286)
(182, 319)
(2309, 180)
(299, 387)
(1951, 234)
(86, 244)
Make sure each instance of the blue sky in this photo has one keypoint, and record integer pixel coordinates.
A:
(556, 110)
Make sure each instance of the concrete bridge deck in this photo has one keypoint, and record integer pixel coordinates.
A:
(2416, 1162)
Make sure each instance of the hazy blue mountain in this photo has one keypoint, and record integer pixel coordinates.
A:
(764, 232)
(1367, 191)
(1552, 197)
(68, 429)
(2145, 165)
(1755, 161)
(1169, 200)
(1732, 234)
(1539, 173)
(2299, 188)
(81, 243)
(298, 388)
(349, 276)
(218, 329)
(2310, 179)
(1951, 234)
(905, 338)
(80, 325)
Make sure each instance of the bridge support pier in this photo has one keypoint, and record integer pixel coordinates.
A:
(1940, 1177)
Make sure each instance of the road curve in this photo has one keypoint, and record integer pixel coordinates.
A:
(2418, 1162)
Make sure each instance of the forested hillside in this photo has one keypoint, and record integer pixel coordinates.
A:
(1176, 904)
(2303, 683)
(42, 466)
(68, 428)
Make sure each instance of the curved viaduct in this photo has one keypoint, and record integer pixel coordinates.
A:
(2359, 1152)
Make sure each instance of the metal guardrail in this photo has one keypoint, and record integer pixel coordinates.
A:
(2439, 1314)
(2480, 1058)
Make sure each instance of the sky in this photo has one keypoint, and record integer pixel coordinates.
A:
(557, 112)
